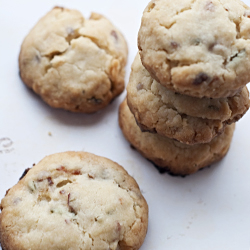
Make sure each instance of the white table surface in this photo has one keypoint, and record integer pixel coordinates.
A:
(209, 210)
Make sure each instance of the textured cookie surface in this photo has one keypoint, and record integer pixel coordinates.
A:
(74, 201)
(171, 155)
(199, 48)
(154, 113)
(142, 88)
(72, 62)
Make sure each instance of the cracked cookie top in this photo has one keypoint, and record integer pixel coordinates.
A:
(74, 200)
(197, 47)
(187, 119)
(170, 155)
(72, 62)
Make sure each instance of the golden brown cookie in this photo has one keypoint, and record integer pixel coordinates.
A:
(171, 155)
(74, 200)
(74, 63)
(187, 119)
(198, 48)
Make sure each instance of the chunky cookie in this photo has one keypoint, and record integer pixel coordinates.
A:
(198, 48)
(72, 62)
(154, 113)
(74, 200)
(142, 88)
(170, 155)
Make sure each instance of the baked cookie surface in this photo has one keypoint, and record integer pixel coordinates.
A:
(74, 200)
(74, 63)
(170, 155)
(161, 111)
(142, 88)
(198, 48)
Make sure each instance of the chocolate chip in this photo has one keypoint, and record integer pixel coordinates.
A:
(24, 173)
(200, 78)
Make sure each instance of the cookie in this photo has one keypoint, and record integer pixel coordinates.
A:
(74, 200)
(142, 88)
(198, 48)
(74, 63)
(153, 114)
(170, 155)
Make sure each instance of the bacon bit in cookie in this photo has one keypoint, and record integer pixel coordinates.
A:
(50, 181)
(62, 168)
(62, 192)
(210, 6)
(114, 34)
(139, 86)
(200, 78)
(120, 199)
(67, 221)
(90, 176)
(175, 45)
(24, 173)
(76, 172)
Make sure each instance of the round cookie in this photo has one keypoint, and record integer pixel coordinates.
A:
(170, 155)
(142, 88)
(74, 200)
(198, 48)
(153, 114)
(74, 63)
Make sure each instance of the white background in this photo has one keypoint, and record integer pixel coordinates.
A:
(209, 210)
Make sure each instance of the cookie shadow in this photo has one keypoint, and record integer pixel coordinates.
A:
(70, 118)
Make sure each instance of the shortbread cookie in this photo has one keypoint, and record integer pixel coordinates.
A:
(198, 48)
(74, 200)
(72, 62)
(171, 155)
(142, 88)
(154, 115)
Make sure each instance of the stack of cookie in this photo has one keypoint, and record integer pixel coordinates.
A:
(187, 86)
